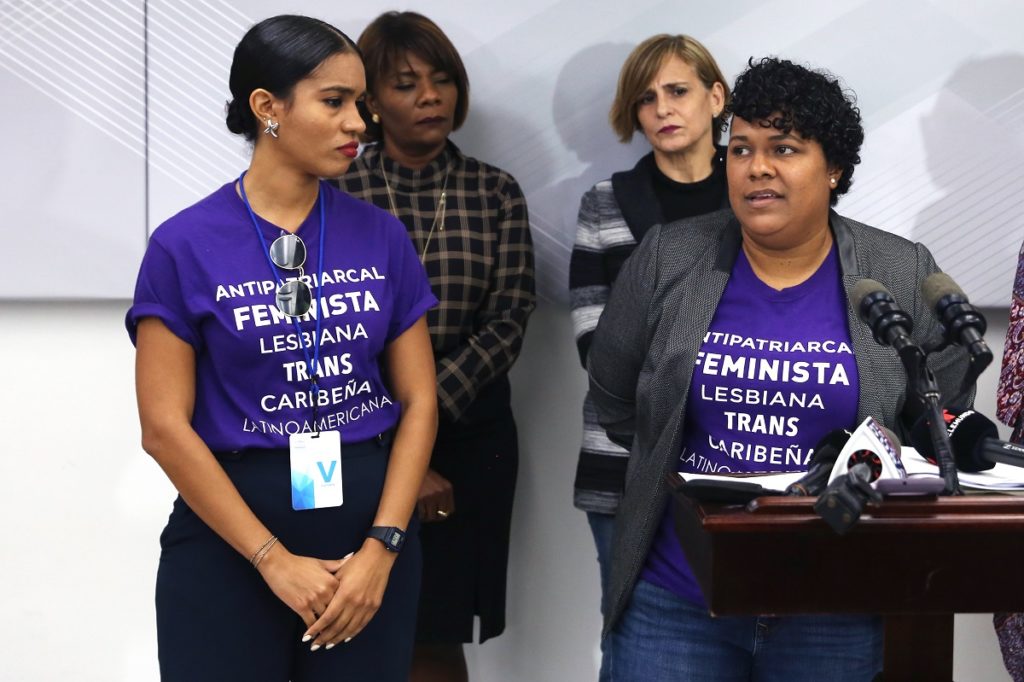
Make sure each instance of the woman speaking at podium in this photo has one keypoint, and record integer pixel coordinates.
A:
(728, 345)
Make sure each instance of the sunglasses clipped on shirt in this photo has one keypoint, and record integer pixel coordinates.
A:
(294, 297)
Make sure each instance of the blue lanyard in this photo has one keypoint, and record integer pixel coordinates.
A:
(315, 360)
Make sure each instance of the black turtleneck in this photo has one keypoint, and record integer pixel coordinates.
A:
(686, 199)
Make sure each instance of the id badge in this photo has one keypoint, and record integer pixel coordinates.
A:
(316, 470)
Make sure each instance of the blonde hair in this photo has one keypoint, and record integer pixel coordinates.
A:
(642, 65)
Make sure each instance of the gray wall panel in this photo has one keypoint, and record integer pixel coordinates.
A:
(941, 89)
(72, 184)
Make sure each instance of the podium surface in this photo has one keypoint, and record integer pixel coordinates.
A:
(915, 561)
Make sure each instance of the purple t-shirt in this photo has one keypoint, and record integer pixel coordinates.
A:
(206, 276)
(775, 373)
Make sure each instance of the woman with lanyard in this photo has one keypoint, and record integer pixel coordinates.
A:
(672, 91)
(469, 224)
(263, 316)
(703, 361)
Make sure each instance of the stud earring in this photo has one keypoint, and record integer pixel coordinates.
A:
(832, 181)
(375, 117)
(271, 128)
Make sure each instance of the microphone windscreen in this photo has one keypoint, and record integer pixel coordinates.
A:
(862, 289)
(967, 430)
(938, 285)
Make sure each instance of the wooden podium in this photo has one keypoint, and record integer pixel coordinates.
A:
(915, 561)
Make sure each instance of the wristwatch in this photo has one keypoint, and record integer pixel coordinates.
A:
(393, 538)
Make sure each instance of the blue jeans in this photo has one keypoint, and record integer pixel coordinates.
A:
(601, 526)
(662, 637)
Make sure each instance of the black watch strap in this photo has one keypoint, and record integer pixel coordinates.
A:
(392, 537)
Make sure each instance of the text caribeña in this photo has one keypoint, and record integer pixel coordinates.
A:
(790, 456)
(323, 397)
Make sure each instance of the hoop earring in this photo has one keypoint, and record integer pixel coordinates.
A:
(375, 117)
(271, 128)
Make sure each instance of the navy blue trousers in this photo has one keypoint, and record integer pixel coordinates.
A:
(216, 618)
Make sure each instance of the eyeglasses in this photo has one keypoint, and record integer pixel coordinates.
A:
(293, 298)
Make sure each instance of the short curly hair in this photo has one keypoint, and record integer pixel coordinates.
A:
(778, 93)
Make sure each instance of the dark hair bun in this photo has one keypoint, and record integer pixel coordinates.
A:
(238, 121)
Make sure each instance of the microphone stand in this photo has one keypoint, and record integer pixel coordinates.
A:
(921, 384)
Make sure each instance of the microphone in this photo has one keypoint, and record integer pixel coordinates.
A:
(845, 498)
(891, 326)
(961, 323)
(973, 436)
(819, 470)
(874, 446)
(876, 307)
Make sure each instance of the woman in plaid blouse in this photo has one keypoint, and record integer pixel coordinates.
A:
(468, 221)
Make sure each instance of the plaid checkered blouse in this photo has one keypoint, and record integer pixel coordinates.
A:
(479, 260)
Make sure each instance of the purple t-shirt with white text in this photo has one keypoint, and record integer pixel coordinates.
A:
(775, 373)
(206, 276)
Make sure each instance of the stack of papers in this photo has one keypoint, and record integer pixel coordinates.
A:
(1001, 478)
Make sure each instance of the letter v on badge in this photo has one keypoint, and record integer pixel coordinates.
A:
(316, 470)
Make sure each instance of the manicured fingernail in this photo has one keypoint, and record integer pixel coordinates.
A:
(348, 555)
(314, 647)
(347, 640)
(307, 638)
(330, 646)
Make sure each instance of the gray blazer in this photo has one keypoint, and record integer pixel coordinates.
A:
(645, 347)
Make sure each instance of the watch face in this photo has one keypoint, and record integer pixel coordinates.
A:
(393, 538)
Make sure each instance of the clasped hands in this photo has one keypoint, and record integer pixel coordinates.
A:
(335, 598)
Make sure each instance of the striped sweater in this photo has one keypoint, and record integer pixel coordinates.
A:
(613, 218)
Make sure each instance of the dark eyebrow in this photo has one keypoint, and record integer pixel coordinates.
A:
(340, 89)
(773, 138)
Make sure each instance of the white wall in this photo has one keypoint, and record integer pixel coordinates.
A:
(84, 507)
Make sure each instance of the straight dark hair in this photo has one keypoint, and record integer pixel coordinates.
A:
(275, 54)
(390, 37)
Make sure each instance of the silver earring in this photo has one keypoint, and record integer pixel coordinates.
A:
(271, 128)
(375, 118)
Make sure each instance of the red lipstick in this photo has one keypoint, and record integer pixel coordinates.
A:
(351, 150)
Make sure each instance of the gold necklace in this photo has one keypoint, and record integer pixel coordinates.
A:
(439, 211)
